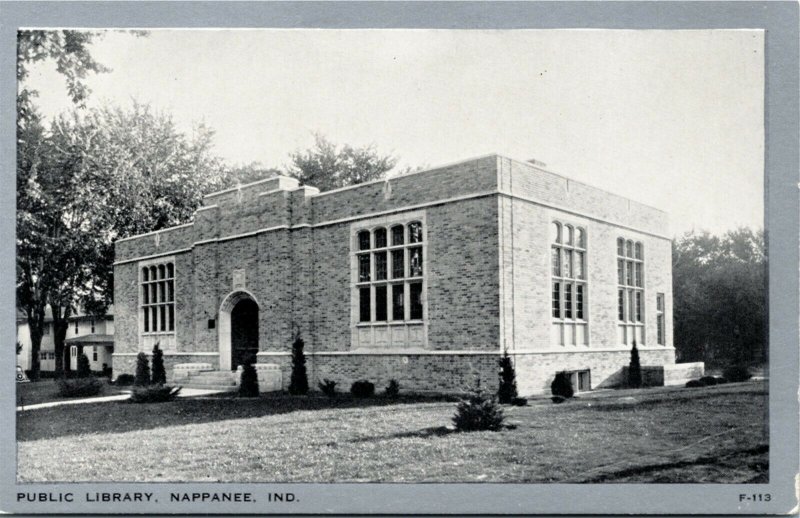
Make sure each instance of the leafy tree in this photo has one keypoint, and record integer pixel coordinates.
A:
(231, 176)
(142, 377)
(719, 290)
(508, 380)
(327, 166)
(299, 382)
(95, 176)
(159, 372)
(634, 368)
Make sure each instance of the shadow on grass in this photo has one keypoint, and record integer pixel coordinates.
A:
(124, 416)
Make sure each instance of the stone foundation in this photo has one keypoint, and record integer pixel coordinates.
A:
(536, 370)
(126, 363)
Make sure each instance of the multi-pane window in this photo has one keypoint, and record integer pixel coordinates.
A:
(630, 291)
(390, 272)
(660, 330)
(569, 294)
(158, 297)
(94, 353)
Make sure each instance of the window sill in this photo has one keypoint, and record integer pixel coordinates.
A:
(391, 323)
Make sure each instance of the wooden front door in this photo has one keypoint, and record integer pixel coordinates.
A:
(244, 332)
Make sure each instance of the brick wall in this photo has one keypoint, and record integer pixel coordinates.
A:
(487, 260)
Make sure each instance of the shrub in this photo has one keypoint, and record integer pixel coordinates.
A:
(519, 401)
(694, 384)
(479, 411)
(328, 387)
(708, 380)
(84, 371)
(392, 390)
(720, 380)
(123, 380)
(248, 385)
(558, 399)
(299, 381)
(508, 380)
(154, 394)
(634, 368)
(362, 388)
(142, 378)
(562, 386)
(735, 373)
(159, 373)
(79, 387)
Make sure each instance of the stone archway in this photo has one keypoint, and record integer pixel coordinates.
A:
(233, 314)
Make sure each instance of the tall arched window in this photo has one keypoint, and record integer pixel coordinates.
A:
(389, 284)
(630, 291)
(569, 295)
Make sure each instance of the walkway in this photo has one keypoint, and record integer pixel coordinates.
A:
(186, 392)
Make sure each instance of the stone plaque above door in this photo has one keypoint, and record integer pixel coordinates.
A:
(239, 280)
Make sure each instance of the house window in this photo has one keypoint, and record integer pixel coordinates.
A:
(92, 323)
(660, 331)
(77, 329)
(569, 294)
(94, 353)
(389, 283)
(157, 296)
(46, 329)
(630, 291)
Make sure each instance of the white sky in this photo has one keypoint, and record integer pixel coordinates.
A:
(673, 119)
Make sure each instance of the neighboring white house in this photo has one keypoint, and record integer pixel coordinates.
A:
(94, 336)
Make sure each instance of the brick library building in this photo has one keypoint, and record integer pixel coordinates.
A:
(426, 278)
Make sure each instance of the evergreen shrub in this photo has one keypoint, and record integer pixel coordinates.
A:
(694, 384)
(508, 380)
(736, 373)
(248, 385)
(708, 380)
(634, 368)
(362, 388)
(79, 387)
(154, 394)
(123, 380)
(299, 381)
(142, 378)
(392, 390)
(561, 387)
(159, 372)
(478, 411)
(84, 370)
(328, 387)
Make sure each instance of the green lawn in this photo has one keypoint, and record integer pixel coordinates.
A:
(712, 434)
(46, 390)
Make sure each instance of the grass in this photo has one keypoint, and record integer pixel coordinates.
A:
(46, 390)
(712, 434)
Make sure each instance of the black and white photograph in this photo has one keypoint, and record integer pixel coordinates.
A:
(389, 258)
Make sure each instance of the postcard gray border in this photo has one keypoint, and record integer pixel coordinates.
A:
(779, 19)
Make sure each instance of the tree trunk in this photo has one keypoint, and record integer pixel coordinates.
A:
(35, 315)
(60, 324)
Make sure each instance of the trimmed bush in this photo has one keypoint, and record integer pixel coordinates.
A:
(392, 390)
(142, 378)
(558, 399)
(362, 388)
(154, 394)
(736, 373)
(479, 411)
(84, 371)
(508, 380)
(123, 380)
(694, 384)
(562, 386)
(708, 380)
(248, 385)
(159, 373)
(79, 387)
(634, 368)
(328, 387)
(519, 401)
(720, 380)
(299, 381)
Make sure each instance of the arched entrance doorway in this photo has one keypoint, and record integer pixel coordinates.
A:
(238, 329)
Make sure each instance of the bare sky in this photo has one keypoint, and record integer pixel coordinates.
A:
(673, 119)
